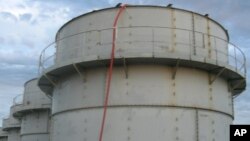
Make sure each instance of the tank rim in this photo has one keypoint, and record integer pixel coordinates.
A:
(33, 79)
(141, 6)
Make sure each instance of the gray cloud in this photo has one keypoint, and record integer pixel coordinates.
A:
(28, 43)
(14, 60)
(8, 16)
(233, 15)
(25, 17)
(2, 40)
(17, 75)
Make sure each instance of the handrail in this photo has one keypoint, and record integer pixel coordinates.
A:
(235, 56)
(18, 99)
(2, 116)
(5, 117)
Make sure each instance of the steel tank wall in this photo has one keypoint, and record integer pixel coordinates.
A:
(35, 126)
(149, 100)
(33, 97)
(12, 126)
(3, 135)
(14, 134)
(147, 105)
(10, 122)
(34, 113)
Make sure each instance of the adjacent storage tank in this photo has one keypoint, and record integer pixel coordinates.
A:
(174, 76)
(34, 112)
(12, 126)
(3, 135)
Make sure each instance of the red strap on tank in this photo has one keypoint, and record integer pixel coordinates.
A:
(122, 8)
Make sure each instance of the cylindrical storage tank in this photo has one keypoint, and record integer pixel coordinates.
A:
(14, 134)
(34, 113)
(12, 126)
(3, 135)
(35, 126)
(172, 78)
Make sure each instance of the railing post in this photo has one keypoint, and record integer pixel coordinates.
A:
(235, 59)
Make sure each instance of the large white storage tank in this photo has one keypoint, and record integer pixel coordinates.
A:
(174, 76)
(12, 126)
(3, 135)
(34, 113)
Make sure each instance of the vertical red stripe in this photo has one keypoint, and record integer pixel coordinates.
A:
(122, 8)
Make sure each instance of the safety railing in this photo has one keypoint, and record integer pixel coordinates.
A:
(35, 99)
(207, 43)
(3, 133)
(5, 121)
(5, 117)
(32, 100)
(10, 122)
(18, 99)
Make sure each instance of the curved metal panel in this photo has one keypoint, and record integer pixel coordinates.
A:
(145, 85)
(35, 126)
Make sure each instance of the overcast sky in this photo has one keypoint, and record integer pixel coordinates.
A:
(27, 26)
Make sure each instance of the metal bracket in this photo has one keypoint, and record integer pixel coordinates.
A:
(50, 80)
(125, 67)
(236, 96)
(79, 72)
(175, 68)
(50, 97)
(216, 76)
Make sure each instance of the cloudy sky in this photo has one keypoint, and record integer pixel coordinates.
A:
(27, 26)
